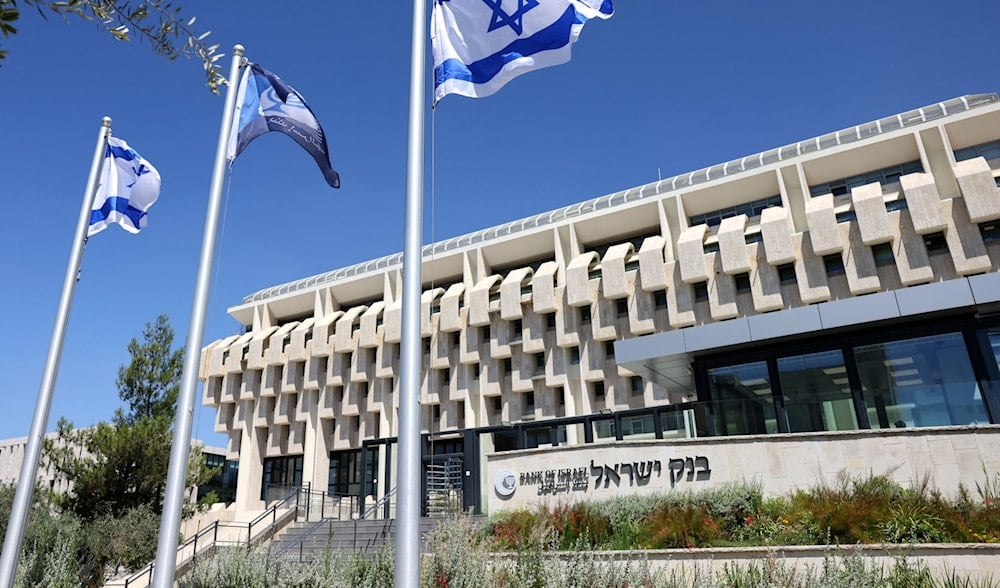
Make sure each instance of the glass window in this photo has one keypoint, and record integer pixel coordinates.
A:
(636, 385)
(817, 393)
(281, 474)
(673, 424)
(834, 264)
(888, 175)
(541, 436)
(990, 231)
(741, 399)
(505, 440)
(922, 382)
(988, 151)
(750, 209)
(638, 427)
(604, 430)
(345, 475)
(883, 254)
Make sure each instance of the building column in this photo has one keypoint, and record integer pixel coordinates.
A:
(248, 483)
(316, 460)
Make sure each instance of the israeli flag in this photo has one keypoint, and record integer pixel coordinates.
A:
(265, 103)
(480, 45)
(129, 185)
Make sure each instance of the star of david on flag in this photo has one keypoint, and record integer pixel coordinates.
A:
(480, 45)
(265, 103)
(129, 185)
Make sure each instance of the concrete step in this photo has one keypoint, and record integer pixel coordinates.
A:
(306, 541)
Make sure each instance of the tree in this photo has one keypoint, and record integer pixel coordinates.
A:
(118, 470)
(157, 22)
(150, 382)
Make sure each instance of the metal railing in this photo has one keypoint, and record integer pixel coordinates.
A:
(314, 505)
(364, 542)
(385, 502)
(207, 539)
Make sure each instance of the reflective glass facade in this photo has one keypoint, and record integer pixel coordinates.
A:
(872, 379)
(920, 382)
(817, 392)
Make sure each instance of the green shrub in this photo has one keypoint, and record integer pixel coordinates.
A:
(847, 513)
(627, 516)
(520, 529)
(912, 523)
(734, 505)
(580, 525)
(686, 526)
(456, 556)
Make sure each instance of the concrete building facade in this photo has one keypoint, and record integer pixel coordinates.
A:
(826, 306)
(12, 458)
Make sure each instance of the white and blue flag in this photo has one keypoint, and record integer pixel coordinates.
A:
(129, 185)
(480, 45)
(265, 103)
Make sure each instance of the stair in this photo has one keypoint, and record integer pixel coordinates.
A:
(306, 541)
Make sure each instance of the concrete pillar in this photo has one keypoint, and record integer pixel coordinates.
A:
(248, 483)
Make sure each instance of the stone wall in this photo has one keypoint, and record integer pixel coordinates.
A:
(948, 456)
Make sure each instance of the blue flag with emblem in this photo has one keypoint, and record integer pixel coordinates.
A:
(129, 185)
(265, 103)
(480, 45)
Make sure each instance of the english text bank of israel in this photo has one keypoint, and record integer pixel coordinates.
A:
(826, 307)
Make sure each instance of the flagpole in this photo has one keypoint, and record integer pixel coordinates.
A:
(29, 467)
(173, 500)
(407, 574)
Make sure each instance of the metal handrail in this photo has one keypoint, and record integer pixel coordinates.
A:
(379, 503)
(213, 528)
(315, 499)
(308, 532)
(193, 540)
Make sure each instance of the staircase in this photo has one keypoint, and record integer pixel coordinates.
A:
(305, 541)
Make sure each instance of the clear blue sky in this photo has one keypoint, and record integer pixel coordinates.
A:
(664, 87)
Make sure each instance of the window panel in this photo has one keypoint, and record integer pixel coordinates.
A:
(741, 399)
(280, 474)
(888, 175)
(921, 382)
(604, 430)
(988, 151)
(638, 427)
(817, 392)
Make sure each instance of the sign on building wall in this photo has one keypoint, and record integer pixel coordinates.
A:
(780, 463)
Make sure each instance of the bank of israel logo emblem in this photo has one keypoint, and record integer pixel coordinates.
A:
(506, 483)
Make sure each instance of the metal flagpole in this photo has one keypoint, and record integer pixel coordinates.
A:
(173, 500)
(29, 467)
(408, 505)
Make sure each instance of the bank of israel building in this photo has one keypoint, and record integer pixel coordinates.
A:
(823, 307)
